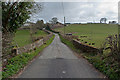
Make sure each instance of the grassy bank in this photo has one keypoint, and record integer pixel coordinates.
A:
(95, 33)
(104, 64)
(22, 37)
(68, 43)
(15, 64)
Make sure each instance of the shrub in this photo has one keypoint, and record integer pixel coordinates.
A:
(16, 63)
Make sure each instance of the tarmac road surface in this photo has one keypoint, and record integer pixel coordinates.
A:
(58, 61)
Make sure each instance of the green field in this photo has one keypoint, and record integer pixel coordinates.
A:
(95, 33)
(22, 37)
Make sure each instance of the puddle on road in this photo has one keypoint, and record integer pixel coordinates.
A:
(59, 58)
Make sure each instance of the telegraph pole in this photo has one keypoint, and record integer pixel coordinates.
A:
(64, 25)
(64, 17)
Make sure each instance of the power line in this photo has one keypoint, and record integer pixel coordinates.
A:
(63, 15)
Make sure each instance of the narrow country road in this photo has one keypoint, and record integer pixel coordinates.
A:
(58, 61)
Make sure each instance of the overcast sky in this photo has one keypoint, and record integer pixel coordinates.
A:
(78, 11)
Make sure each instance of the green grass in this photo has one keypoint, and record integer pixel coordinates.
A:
(68, 43)
(96, 33)
(22, 37)
(110, 69)
(15, 64)
(107, 66)
(40, 33)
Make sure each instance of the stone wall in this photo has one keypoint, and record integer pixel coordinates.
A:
(48, 36)
(35, 45)
(79, 45)
(84, 47)
(69, 37)
(30, 47)
(27, 48)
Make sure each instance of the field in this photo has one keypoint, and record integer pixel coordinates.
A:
(22, 37)
(91, 33)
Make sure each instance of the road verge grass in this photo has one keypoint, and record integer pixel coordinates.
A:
(104, 65)
(110, 70)
(68, 43)
(17, 63)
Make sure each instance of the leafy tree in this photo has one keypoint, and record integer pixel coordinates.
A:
(103, 20)
(40, 24)
(14, 15)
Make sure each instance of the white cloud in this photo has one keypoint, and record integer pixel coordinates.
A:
(80, 11)
(76, 0)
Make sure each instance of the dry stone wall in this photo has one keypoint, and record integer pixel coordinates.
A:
(84, 47)
(35, 45)
(30, 47)
(27, 48)
(79, 45)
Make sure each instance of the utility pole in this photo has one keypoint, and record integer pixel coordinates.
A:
(64, 17)
(64, 25)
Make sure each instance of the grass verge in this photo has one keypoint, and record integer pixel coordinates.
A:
(68, 43)
(107, 66)
(15, 64)
(110, 69)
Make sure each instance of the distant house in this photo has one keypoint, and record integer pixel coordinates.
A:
(27, 25)
(58, 24)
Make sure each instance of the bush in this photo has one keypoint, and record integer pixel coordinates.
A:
(105, 67)
(15, 64)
